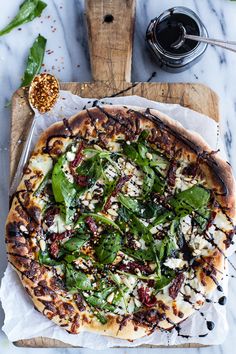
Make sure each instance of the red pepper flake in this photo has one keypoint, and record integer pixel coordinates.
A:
(121, 182)
(146, 298)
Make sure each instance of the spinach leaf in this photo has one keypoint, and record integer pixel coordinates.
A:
(75, 243)
(129, 203)
(100, 218)
(108, 247)
(202, 218)
(164, 280)
(76, 279)
(45, 258)
(163, 218)
(35, 60)
(150, 210)
(140, 255)
(148, 180)
(64, 191)
(92, 168)
(28, 11)
(158, 185)
(185, 202)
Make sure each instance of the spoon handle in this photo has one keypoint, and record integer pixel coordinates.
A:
(230, 45)
(23, 160)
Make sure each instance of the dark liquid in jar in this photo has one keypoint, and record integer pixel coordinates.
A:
(168, 32)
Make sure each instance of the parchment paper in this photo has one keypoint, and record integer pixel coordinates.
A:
(22, 321)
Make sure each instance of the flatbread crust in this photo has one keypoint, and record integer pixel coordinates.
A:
(23, 222)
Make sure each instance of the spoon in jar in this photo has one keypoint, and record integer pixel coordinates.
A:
(43, 94)
(230, 45)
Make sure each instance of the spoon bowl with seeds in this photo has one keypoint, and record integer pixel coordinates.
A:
(43, 94)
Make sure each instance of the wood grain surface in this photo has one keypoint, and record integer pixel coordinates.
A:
(110, 42)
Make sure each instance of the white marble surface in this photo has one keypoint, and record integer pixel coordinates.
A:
(68, 58)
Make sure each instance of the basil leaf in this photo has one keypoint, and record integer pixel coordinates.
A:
(76, 279)
(35, 60)
(75, 243)
(108, 247)
(191, 199)
(28, 11)
(64, 191)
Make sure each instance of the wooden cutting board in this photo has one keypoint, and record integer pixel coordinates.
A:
(110, 31)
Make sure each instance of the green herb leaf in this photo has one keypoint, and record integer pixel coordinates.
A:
(100, 218)
(194, 198)
(35, 60)
(108, 247)
(45, 258)
(75, 243)
(43, 184)
(129, 203)
(28, 11)
(140, 255)
(76, 279)
(64, 191)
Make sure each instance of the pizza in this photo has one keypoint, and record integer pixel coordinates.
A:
(121, 222)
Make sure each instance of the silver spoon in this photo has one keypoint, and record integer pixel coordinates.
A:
(230, 45)
(26, 149)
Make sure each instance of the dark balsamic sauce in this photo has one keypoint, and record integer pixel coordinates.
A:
(222, 300)
(168, 31)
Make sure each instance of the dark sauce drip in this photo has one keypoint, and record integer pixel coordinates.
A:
(168, 31)
(47, 149)
(68, 127)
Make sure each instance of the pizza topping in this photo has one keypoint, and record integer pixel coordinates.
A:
(118, 233)
(176, 285)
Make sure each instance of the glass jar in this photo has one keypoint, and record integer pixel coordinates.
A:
(164, 30)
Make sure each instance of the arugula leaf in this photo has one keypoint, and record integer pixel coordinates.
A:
(28, 11)
(108, 247)
(43, 184)
(35, 60)
(101, 317)
(98, 300)
(76, 279)
(194, 198)
(64, 191)
(75, 243)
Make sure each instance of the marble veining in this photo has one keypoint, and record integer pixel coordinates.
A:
(67, 56)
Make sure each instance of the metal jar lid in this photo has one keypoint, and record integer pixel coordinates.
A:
(174, 62)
